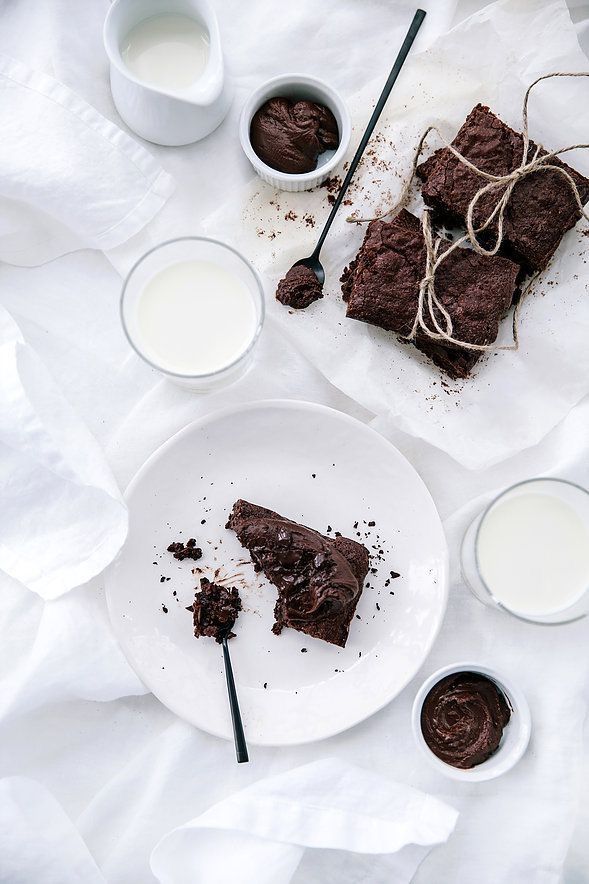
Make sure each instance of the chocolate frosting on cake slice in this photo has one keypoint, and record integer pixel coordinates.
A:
(319, 579)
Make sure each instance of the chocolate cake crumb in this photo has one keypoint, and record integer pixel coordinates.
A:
(215, 610)
(332, 185)
(183, 551)
(164, 609)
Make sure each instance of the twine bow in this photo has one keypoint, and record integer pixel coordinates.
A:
(428, 302)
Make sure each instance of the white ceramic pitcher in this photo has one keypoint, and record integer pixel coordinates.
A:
(159, 116)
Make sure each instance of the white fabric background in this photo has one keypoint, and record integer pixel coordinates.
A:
(74, 717)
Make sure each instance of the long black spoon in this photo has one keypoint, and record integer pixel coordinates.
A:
(313, 261)
(238, 734)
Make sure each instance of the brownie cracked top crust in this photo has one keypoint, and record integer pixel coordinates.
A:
(541, 208)
(381, 287)
(319, 579)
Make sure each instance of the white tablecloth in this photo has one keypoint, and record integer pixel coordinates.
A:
(123, 768)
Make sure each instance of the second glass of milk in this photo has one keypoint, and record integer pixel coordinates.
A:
(528, 552)
(193, 308)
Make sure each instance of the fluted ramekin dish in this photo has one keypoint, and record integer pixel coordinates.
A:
(297, 86)
(516, 734)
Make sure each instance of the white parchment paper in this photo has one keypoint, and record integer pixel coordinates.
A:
(511, 401)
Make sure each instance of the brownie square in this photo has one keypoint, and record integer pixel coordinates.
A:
(541, 208)
(319, 579)
(381, 287)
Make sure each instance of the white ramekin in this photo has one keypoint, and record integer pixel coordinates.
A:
(296, 86)
(516, 735)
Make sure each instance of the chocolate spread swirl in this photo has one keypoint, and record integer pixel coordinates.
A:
(463, 717)
(289, 135)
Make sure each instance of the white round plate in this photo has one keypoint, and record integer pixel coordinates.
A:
(316, 466)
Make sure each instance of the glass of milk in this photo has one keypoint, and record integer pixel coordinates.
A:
(528, 552)
(193, 308)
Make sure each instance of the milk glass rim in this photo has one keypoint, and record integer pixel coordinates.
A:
(259, 324)
(527, 619)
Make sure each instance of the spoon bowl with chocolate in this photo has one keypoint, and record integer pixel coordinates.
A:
(303, 284)
(470, 722)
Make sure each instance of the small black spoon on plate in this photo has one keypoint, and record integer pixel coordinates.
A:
(313, 262)
(238, 734)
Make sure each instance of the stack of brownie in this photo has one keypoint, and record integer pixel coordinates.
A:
(381, 285)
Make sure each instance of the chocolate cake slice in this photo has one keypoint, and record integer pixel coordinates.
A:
(215, 610)
(381, 286)
(541, 208)
(319, 579)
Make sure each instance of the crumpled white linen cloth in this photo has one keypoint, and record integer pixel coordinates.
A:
(73, 715)
(39, 843)
(259, 835)
(62, 517)
(69, 178)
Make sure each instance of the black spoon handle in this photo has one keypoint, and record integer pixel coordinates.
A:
(399, 61)
(238, 734)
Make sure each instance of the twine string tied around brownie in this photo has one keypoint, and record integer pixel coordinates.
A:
(428, 303)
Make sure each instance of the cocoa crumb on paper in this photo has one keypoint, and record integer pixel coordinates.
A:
(332, 185)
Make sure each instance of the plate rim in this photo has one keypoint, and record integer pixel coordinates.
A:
(290, 404)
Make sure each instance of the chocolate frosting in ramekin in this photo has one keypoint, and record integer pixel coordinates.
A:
(463, 717)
